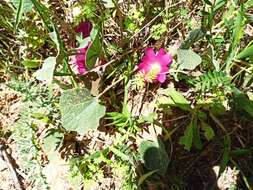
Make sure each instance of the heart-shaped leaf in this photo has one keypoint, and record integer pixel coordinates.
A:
(80, 111)
(188, 59)
(154, 156)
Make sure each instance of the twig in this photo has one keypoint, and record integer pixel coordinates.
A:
(218, 122)
(7, 159)
(109, 87)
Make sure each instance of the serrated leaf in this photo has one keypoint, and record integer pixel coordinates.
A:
(194, 36)
(80, 111)
(187, 139)
(46, 73)
(154, 156)
(188, 59)
(120, 154)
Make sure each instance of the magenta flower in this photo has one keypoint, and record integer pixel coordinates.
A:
(155, 66)
(84, 28)
(78, 61)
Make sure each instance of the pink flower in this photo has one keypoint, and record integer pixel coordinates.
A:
(155, 66)
(78, 61)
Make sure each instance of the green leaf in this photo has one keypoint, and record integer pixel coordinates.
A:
(194, 36)
(145, 176)
(154, 156)
(120, 154)
(249, 17)
(187, 139)
(31, 63)
(188, 59)
(208, 131)
(94, 49)
(46, 73)
(219, 4)
(51, 27)
(19, 13)
(196, 136)
(178, 99)
(238, 31)
(244, 103)
(208, 2)
(247, 52)
(27, 5)
(52, 141)
(80, 111)
(22, 7)
(226, 154)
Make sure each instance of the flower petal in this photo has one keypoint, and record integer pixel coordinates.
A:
(161, 78)
(84, 28)
(161, 52)
(150, 53)
(165, 59)
(155, 66)
(144, 67)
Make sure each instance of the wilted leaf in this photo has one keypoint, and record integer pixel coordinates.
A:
(154, 156)
(188, 59)
(80, 111)
(46, 73)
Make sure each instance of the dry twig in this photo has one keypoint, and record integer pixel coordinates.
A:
(6, 157)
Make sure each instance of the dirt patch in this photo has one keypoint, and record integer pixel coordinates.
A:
(9, 106)
(9, 113)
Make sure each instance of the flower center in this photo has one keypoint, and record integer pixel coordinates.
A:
(154, 71)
